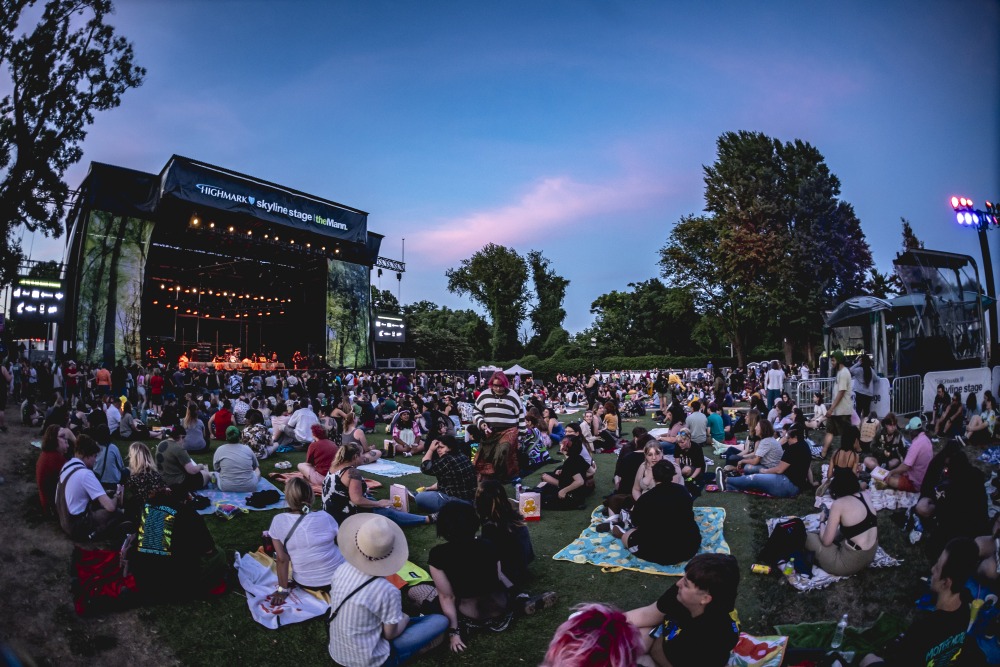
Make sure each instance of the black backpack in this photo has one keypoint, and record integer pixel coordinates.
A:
(787, 538)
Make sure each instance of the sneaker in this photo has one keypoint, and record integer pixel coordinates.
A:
(720, 481)
(432, 518)
(961, 440)
(538, 602)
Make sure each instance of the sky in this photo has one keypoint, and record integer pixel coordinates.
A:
(576, 128)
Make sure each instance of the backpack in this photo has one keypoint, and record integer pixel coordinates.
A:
(787, 538)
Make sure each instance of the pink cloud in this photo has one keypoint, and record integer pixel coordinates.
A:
(549, 207)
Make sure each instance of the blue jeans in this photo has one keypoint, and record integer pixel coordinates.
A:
(433, 501)
(667, 448)
(750, 469)
(778, 486)
(420, 632)
(404, 519)
(772, 396)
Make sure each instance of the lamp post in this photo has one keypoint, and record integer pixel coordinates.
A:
(967, 215)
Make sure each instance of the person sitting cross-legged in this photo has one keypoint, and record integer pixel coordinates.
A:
(786, 479)
(456, 476)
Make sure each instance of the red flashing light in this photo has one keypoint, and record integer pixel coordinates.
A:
(954, 202)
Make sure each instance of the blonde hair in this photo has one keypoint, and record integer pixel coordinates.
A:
(345, 454)
(139, 458)
(298, 494)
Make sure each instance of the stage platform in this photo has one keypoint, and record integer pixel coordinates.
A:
(230, 366)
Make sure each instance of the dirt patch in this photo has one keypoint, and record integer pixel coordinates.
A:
(38, 619)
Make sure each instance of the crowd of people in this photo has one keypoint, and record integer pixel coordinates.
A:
(478, 435)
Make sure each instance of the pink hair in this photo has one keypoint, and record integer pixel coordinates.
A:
(499, 376)
(596, 635)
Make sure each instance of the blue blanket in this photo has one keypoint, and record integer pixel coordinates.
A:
(239, 498)
(389, 468)
(608, 552)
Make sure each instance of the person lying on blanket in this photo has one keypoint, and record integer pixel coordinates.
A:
(786, 479)
(848, 536)
(690, 625)
(938, 637)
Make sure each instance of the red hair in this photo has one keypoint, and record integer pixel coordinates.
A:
(499, 376)
(596, 635)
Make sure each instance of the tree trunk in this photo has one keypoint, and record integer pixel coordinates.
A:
(789, 348)
(95, 289)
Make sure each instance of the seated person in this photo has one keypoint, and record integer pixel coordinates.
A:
(663, 527)
(848, 537)
(690, 625)
(766, 454)
(982, 428)
(109, 467)
(304, 541)
(504, 527)
(887, 449)
(143, 482)
(319, 456)
(952, 499)
(405, 436)
(644, 481)
(85, 511)
(367, 624)
(819, 412)
(48, 467)
(846, 456)
(129, 427)
(235, 464)
(595, 634)
(174, 464)
(221, 420)
(938, 637)
(784, 480)
(257, 437)
(868, 431)
(909, 475)
(456, 476)
(566, 487)
(690, 461)
(952, 419)
(352, 433)
(196, 438)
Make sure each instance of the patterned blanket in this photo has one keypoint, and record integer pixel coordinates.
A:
(216, 497)
(607, 552)
(389, 468)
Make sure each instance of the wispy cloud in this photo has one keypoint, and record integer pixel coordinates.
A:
(546, 208)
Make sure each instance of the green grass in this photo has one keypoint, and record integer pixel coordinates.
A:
(223, 632)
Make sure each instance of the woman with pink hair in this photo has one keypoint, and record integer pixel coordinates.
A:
(595, 635)
(498, 423)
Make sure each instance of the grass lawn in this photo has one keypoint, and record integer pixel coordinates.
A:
(222, 631)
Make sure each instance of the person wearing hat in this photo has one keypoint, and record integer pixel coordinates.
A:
(909, 475)
(839, 416)
(235, 464)
(368, 627)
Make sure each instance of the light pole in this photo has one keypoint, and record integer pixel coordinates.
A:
(967, 215)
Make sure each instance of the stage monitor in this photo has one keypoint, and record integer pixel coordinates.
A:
(37, 300)
(390, 329)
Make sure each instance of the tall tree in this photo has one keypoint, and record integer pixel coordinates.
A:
(548, 313)
(384, 301)
(70, 66)
(910, 240)
(496, 278)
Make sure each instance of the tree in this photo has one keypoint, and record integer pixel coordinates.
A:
(496, 278)
(881, 284)
(444, 338)
(69, 67)
(910, 240)
(547, 315)
(784, 247)
(384, 301)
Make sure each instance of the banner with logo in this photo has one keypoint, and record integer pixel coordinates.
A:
(214, 187)
(880, 397)
(967, 381)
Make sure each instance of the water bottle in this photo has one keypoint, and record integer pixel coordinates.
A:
(838, 636)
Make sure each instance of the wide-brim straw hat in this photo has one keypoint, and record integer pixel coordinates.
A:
(373, 544)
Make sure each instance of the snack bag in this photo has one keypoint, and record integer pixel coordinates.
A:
(530, 505)
(400, 497)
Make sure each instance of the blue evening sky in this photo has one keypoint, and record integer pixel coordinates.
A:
(576, 128)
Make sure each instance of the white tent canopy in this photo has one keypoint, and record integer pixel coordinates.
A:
(516, 368)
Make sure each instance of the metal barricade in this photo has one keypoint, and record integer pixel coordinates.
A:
(802, 392)
(907, 396)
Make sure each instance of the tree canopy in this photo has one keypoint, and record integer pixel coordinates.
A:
(70, 66)
(547, 314)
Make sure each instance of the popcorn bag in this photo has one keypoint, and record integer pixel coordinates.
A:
(400, 497)
(879, 474)
(530, 505)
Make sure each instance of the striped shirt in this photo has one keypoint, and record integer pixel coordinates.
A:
(500, 412)
(356, 634)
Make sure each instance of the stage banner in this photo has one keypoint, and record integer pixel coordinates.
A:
(880, 398)
(214, 187)
(347, 315)
(995, 385)
(109, 291)
(969, 380)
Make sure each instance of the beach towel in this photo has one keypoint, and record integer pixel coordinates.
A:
(608, 552)
(239, 498)
(870, 640)
(820, 578)
(258, 577)
(387, 468)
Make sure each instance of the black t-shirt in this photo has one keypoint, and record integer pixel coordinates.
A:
(798, 457)
(705, 641)
(572, 466)
(471, 566)
(514, 549)
(693, 457)
(666, 514)
(933, 639)
(626, 469)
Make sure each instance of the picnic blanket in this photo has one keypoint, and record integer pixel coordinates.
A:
(238, 498)
(991, 456)
(258, 577)
(608, 553)
(821, 578)
(885, 499)
(389, 468)
(753, 651)
(861, 641)
(37, 444)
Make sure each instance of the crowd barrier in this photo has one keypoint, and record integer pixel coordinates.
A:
(906, 399)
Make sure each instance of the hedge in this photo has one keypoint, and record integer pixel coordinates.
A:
(547, 369)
